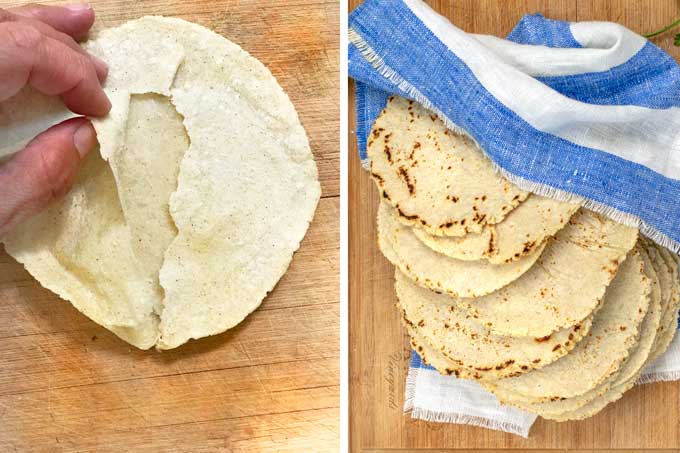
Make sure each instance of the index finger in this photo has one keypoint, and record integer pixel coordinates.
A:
(31, 16)
(52, 68)
(74, 20)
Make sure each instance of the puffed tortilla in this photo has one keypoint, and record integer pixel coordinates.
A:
(614, 334)
(467, 347)
(215, 179)
(523, 229)
(564, 286)
(436, 179)
(439, 272)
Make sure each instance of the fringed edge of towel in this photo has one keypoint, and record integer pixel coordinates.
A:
(462, 419)
(410, 392)
(366, 164)
(530, 186)
(658, 377)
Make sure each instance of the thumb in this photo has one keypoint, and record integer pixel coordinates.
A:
(43, 171)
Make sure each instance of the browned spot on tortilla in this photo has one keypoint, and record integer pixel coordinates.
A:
(407, 217)
(385, 196)
(536, 361)
(403, 172)
(528, 246)
(577, 327)
(380, 179)
(421, 323)
(557, 346)
(433, 117)
(483, 197)
(490, 249)
(571, 336)
(504, 365)
(622, 328)
(388, 153)
(483, 368)
(447, 325)
(524, 367)
(542, 339)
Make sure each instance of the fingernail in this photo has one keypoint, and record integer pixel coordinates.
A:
(77, 7)
(84, 139)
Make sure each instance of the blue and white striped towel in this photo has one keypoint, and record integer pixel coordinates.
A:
(586, 112)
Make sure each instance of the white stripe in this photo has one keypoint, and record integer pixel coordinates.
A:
(646, 136)
(607, 45)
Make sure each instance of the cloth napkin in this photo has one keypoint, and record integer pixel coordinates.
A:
(585, 112)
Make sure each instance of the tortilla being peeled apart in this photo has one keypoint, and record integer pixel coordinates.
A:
(439, 272)
(80, 248)
(214, 177)
(436, 179)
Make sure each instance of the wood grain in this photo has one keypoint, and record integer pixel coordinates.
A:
(271, 383)
(647, 417)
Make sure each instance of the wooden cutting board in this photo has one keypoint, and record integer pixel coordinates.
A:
(647, 417)
(269, 384)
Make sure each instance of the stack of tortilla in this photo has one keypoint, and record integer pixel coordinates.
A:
(554, 308)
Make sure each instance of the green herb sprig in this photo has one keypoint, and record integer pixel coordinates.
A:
(676, 40)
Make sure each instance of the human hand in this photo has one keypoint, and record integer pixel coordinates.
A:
(38, 48)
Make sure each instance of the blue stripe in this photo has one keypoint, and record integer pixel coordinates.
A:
(371, 93)
(536, 30)
(417, 362)
(651, 78)
(403, 41)
(371, 101)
